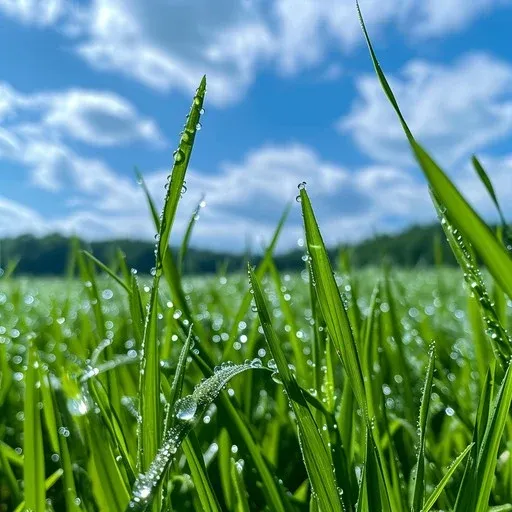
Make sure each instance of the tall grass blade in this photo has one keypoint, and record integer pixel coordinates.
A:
(493, 254)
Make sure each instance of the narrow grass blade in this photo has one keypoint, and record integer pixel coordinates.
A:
(199, 474)
(241, 503)
(498, 337)
(177, 383)
(316, 456)
(188, 234)
(490, 189)
(418, 477)
(48, 484)
(150, 364)
(33, 467)
(106, 269)
(431, 500)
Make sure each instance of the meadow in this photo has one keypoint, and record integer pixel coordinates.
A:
(334, 389)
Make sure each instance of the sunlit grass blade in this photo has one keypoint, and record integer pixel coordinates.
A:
(33, 467)
(418, 477)
(490, 250)
(331, 305)
(150, 426)
(498, 337)
(177, 383)
(316, 456)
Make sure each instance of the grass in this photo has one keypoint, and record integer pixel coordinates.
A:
(375, 390)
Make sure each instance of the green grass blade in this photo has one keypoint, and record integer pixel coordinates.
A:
(188, 234)
(33, 467)
(241, 504)
(489, 248)
(106, 269)
(316, 456)
(177, 383)
(431, 500)
(199, 474)
(490, 189)
(48, 484)
(418, 477)
(331, 305)
(188, 410)
(488, 454)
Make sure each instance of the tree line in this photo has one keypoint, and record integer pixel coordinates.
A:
(50, 255)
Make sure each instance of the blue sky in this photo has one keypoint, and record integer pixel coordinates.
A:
(91, 88)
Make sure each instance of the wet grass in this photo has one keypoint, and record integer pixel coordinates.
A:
(332, 389)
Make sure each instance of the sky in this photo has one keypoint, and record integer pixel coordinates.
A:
(91, 89)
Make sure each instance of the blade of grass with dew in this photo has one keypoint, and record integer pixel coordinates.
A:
(33, 466)
(316, 456)
(476, 485)
(336, 318)
(114, 427)
(149, 383)
(498, 337)
(418, 476)
(188, 410)
(331, 305)
(203, 486)
(492, 252)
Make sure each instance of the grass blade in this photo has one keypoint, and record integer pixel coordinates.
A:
(316, 456)
(489, 248)
(33, 467)
(418, 477)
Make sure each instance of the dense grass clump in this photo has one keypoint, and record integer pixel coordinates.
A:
(328, 390)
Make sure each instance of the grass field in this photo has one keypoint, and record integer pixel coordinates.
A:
(333, 389)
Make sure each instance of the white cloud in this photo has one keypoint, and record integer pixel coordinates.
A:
(95, 117)
(452, 109)
(170, 45)
(173, 45)
(34, 12)
(244, 198)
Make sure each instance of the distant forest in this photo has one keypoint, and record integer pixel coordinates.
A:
(50, 255)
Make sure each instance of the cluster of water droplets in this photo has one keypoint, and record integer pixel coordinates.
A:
(500, 339)
(187, 412)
